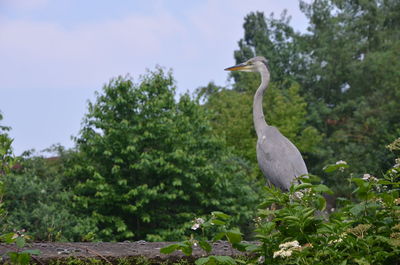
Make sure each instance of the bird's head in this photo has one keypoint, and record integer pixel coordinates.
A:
(252, 65)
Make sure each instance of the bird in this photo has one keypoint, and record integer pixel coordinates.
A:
(278, 158)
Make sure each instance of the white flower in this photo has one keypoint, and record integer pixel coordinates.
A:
(282, 253)
(368, 177)
(292, 244)
(287, 248)
(298, 194)
(335, 241)
(197, 223)
(195, 226)
(340, 239)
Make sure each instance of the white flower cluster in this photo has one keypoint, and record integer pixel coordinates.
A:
(331, 242)
(368, 177)
(19, 233)
(292, 244)
(286, 249)
(197, 222)
(299, 194)
(340, 239)
(397, 165)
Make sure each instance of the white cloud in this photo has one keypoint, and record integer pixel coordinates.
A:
(48, 55)
(23, 4)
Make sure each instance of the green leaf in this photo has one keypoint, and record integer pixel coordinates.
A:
(32, 251)
(240, 246)
(321, 203)
(322, 189)
(219, 236)
(224, 260)
(20, 241)
(234, 236)
(308, 213)
(8, 238)
(185, 247)
(360, 182)
(202, 261)
(217, 222)
(291, 218)
(221, 215)
(362, 261)
(357, 209)
(205, 246)
(215, 260)
(302, 186)
(19, 258)
(169, 249)
(333, 167)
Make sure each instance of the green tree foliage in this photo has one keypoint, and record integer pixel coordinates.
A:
(6, 154)
(37, 201)
(231, 117)
(148, 164)
(353, 51)
(6, 161)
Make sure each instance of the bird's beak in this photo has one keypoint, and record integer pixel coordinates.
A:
(238, 67)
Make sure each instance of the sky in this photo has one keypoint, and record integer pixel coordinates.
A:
(54, 54)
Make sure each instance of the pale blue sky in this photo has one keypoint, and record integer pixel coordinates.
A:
(54, 54)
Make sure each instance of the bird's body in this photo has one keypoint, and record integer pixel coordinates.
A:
(278, 158)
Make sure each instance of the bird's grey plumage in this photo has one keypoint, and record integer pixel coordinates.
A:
(278, 158)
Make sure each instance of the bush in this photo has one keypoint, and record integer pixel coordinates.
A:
(37, 201)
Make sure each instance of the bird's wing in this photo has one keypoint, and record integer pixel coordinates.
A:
(279, 159)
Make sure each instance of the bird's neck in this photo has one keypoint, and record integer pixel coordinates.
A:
(258, 114)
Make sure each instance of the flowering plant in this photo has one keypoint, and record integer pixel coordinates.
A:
(295, 227)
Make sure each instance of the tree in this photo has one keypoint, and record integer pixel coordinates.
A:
(37, 200)
(148, 164)
(353, 49)
(6, 161)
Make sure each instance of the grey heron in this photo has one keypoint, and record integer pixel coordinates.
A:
(278, 158)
